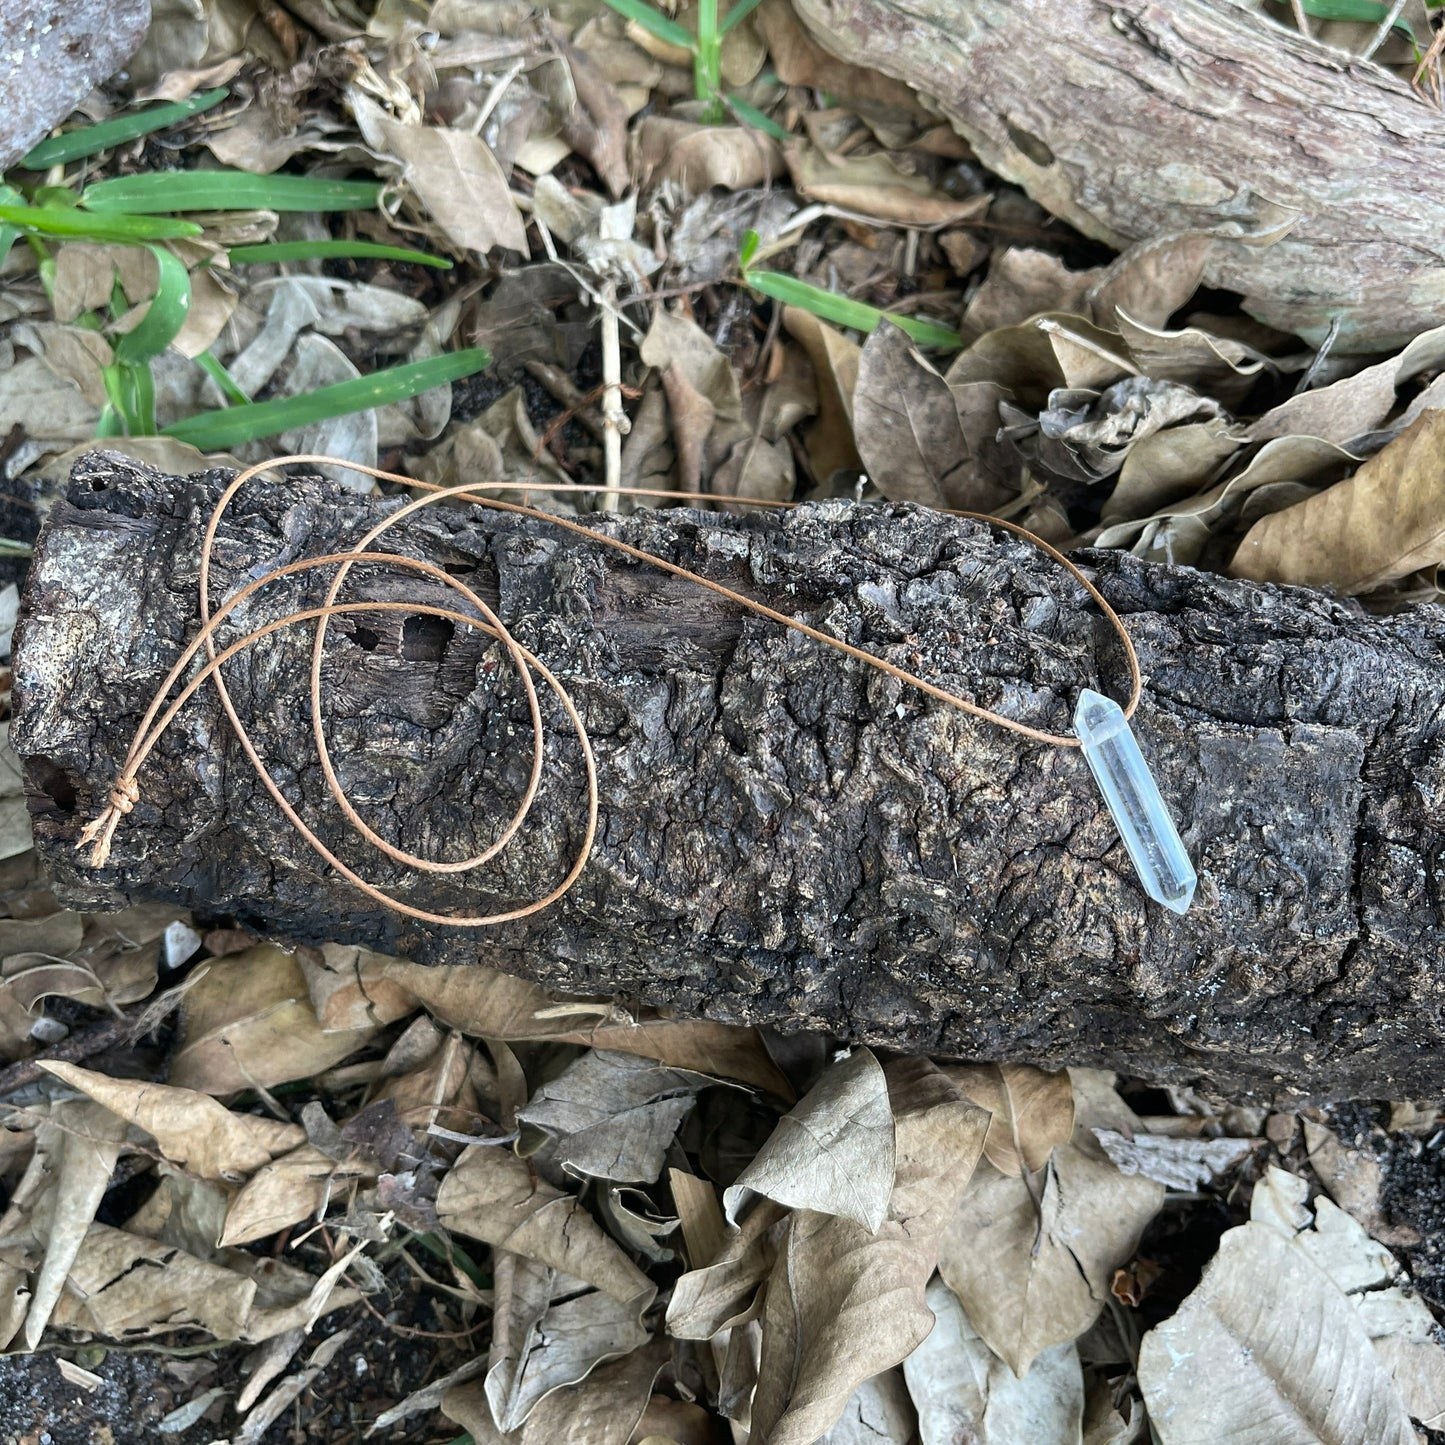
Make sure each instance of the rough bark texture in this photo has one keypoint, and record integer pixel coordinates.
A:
(1134, 119)
(53, 53)
(786, 836)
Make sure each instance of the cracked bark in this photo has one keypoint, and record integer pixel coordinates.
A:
(786, 836)
(1134, 119)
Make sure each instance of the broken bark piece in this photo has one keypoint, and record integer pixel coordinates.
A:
(787, 836)
(53, 53)
(1134, 120)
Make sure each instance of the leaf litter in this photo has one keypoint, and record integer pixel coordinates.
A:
(609, 1226)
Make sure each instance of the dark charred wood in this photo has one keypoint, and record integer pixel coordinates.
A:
(786, 836)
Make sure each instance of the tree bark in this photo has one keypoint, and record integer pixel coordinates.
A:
(786, 836)
(1134, 119)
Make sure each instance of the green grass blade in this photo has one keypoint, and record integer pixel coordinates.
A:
(842, 311)
(225, 382)
(167, 314)
(276, 251)
(1370, 11)
(738, 14)
(90, 140)
(226, 190)
(654, 23)
(62, 221)
(759, 120)
(222, 430)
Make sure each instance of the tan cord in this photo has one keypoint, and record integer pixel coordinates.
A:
(125, 793)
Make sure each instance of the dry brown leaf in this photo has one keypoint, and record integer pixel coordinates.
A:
(964, 1392)
(921, 440)
(249, 1022)
(1151, 280)
(878, 1413)
(1033, 1111)
(1177, 1163)
(613, 1116)
(493, 1196)
(1386, 521)
(844, 1304)
(801, 60)
(123, 1286)
(352, 986)
(454, 175)
(696, 157)
(722, 1294)
(876, 186)
(292, 1188)
(596, 127)
(1216, 366)
(189, 1128)
(1030, 1258)
(1295, 1355)
(1024, 282)
(1354, 405)
(832, 1153)
(546, 1336)
(606, 1408)
(76, 1150)
(1174, 463)
(1178, 531)
(1033, 359)
(834, 359)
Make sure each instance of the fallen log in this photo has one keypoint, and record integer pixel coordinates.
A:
(1135, 119)
(786, 836)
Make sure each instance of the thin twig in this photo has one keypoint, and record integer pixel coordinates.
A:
(1383, 33)
(1301, 20)
(614, 420)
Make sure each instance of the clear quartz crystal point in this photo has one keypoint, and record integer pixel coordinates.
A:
(1133, 798)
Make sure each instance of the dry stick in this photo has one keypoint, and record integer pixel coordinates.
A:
(126, 791)
(1301, 20)
(614, 420)
(1382, 34)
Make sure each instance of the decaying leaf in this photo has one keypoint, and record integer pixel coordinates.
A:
(454, 174)
(879, 1413)
(1024, 282)
(53, 1206)
(920, 440)
(834, 359)
(602, 1409)
(1298, 1362)
(963, 1391)
(354, 987)
(1386, 521)
(1030, 1258)
(697, 157)
(876, 186)
(1175, 1163)
(546, 1335)
(833, 1153)
(613, 1115)
(843, 1303)
(1396, 1320)
(189, 1128)
(249, 1021)
(493, 1196)
(292, 1188)
(1033, 1112)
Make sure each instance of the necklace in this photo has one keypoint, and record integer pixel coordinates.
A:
(1101, 725)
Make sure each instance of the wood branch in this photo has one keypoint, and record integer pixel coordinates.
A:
(786, 836)
(1134, 119)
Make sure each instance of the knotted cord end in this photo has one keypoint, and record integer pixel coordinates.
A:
(100, 832)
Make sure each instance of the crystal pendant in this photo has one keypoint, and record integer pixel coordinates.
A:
(1133, 797)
